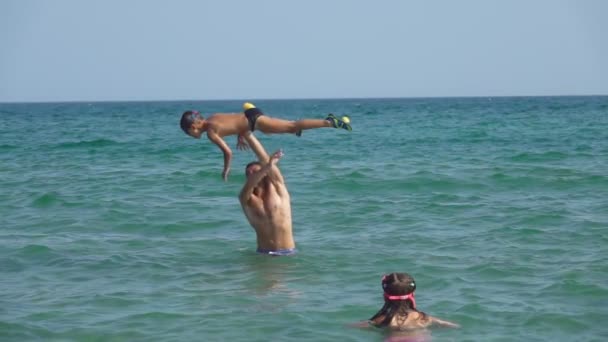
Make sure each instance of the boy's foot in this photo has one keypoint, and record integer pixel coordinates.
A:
(344, 122)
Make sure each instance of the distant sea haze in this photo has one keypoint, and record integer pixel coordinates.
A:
(115, 225)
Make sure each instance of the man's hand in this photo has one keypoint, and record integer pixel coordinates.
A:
(241, 144)
(276, 156)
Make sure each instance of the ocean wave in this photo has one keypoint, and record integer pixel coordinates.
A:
(7, 147)
(22, 331)
(36, 252)
(546, 179)
(539, 157)
(87, 143)
(46, 200)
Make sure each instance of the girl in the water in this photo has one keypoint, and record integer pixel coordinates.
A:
(399, 311)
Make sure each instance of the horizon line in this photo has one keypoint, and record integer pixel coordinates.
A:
(298, 99)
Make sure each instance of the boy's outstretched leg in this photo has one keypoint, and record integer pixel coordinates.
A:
(270, 125)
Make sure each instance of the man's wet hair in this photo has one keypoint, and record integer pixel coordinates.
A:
(186, 121)
(251, 164)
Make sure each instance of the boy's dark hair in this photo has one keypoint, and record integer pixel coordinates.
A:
(186, 121)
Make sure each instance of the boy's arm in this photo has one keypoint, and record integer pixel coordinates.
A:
(216, 139)
(256, 178)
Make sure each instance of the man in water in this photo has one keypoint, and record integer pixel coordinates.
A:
(266, 202)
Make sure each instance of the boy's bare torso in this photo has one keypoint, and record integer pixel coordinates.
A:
(224, 124)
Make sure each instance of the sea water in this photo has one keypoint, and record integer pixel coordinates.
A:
(116, 226)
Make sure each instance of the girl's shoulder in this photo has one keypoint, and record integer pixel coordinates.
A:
(417, 319)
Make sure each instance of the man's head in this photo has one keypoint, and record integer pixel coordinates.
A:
(252, 168)
(192, 123)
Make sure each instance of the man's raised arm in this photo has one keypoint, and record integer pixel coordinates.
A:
(257, 147)
(269, 169)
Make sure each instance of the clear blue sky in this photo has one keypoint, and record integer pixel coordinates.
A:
(89, 50)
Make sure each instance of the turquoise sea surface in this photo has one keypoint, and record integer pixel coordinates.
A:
(116, 226)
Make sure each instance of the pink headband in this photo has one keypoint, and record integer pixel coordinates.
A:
(408, 296)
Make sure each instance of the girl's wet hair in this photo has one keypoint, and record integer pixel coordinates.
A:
(396, 284)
